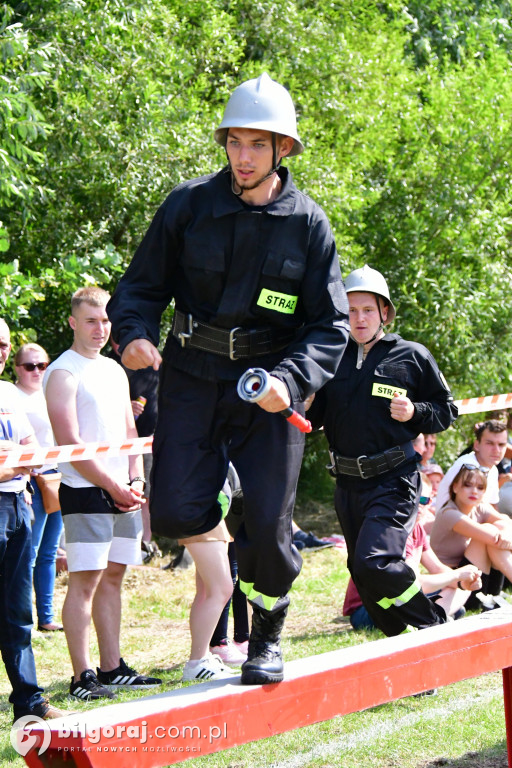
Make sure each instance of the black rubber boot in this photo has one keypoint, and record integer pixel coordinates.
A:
(264, 661)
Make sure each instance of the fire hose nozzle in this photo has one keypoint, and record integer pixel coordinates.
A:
(254, 384)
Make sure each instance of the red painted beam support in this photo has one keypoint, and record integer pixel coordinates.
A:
(201, 719)
(507, 700)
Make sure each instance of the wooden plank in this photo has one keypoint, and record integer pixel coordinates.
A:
(172, 727)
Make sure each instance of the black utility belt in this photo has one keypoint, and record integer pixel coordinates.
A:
(371, 466)
(235, 343)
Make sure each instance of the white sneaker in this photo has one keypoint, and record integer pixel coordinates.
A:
(209, 668)
(229, 653)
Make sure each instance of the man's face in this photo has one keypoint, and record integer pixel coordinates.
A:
(364, 316)
(430, 447)
(5, 345)
(491, 447)
(91, 328)
(250, 155)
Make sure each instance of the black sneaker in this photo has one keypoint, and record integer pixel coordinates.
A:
(88, 688)
(126, 677)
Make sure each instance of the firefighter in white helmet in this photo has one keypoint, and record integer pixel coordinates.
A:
(251, 265)
(385, 392)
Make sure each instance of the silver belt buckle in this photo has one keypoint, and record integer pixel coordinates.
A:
(184, 336)
(361, 470)
(232, 340)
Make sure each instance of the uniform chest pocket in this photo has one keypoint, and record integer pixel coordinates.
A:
(203, 268)
(396, 371)
(284, 266)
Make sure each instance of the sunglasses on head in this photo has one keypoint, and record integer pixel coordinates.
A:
(485, 470)
(33, 366)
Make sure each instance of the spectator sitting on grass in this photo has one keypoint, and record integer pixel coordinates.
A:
(451, 585)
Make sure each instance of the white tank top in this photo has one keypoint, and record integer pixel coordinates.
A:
(101, 400)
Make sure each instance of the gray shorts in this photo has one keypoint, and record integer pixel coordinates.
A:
(95, 535)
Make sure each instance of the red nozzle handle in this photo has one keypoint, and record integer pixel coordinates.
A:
(296, 419)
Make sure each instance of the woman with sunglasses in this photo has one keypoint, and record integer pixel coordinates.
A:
(30, 362)
(468, 530)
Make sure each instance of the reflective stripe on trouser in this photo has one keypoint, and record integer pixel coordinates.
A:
(201, 426)
(263, 601)
(376, 522)
(408, 594)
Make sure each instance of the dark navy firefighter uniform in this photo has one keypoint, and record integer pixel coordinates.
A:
(252, 287)
(377, 482)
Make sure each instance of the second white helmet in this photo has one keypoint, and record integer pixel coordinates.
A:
(368, 280)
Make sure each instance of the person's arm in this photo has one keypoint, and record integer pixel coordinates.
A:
(312, 359)
(61, 391)
(135, 463)
(146, 289)
(440, 575)
(484, 532)
(7, 473)
(434, 409)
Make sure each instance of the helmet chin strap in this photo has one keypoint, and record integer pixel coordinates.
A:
(275, 165)
(360, 347)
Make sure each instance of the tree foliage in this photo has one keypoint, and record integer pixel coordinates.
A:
(405, 111)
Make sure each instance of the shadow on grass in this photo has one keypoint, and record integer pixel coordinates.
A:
(489, 758)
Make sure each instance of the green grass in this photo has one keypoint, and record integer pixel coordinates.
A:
(462, 727)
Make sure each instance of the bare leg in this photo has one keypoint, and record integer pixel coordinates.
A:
(452, 599)
(106, 613)
(477, 553)
(214, 587)
(484, 555)
(76, 617)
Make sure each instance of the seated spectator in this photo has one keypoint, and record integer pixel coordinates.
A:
(489, 449)
(451, 586)
(431, 476)
(435, 474)
(30, 363)
(468, 530)
(426, 512)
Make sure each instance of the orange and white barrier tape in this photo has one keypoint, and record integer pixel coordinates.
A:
(29, 456)
(25, 456)
(485, 403)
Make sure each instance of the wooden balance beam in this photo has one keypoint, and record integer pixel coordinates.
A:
(209, 717)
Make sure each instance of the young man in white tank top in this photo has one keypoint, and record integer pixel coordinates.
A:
(88, 401)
